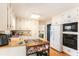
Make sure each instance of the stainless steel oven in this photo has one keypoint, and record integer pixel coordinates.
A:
(70, 40)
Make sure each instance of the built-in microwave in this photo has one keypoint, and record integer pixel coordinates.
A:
(71, 27)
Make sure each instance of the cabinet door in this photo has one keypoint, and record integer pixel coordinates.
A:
(13, 51)
(51, 37)
(56, 41)
(57, 38)
(3, 16)
(12, 22)
(17, 51)
(21, 24)
(4, 51)
(11, 19)
(57, 20)
(70, 16)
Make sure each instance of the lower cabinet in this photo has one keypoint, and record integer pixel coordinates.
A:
(70, 51)
(4, 51)
(13, 51)
(17, 51)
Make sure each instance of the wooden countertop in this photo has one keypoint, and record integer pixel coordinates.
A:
(37, 43)
(14, 43)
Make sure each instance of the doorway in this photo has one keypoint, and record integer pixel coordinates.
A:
(48, 31)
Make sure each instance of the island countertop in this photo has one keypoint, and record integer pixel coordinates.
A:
(14, 43)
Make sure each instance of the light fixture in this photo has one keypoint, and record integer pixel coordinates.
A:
(35, 16)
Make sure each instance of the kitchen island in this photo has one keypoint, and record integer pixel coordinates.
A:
(15, 49)
(38, 47)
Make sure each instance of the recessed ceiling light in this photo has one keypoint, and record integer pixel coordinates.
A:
(35, 16)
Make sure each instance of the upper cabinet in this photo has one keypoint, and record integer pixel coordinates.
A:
(21, 23)
(7, 20)
(57, 20)
(70, 16)
(11, 18)
(25, 24)
(3, 16)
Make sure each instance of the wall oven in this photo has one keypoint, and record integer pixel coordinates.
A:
(71, 27)
(70, 40)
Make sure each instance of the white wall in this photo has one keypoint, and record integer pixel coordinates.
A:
(42, 29)
(67, 17)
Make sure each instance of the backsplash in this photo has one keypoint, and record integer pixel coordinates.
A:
(2, 32)
(21, 32)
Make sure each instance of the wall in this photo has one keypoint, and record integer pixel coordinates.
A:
(68, 16)
(49, 21)
(43, 26)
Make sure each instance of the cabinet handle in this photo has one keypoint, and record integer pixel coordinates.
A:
(10, 26)
(7, 26)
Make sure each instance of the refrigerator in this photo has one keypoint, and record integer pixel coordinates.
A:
(56, 37)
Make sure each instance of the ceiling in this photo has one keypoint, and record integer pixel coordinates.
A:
(45, 10)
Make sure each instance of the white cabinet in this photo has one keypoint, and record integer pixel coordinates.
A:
(7, 20)
(70, 16)
(70, 51)
(56, 32)
(25, 24)
(17, 51)
(3, 16)
(10, 19)
(13, 51)
(4, 52)
(57, 20)
(21, 23)
(66, 17)
(55, 38)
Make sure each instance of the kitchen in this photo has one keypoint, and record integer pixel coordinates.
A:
(22, 34)
(30, 27)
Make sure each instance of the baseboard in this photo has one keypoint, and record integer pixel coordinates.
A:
(66, 53)
(54, 49)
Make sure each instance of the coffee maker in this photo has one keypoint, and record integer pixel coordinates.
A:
(4, 39)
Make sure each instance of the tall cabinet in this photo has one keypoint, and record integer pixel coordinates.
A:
(7, 20)
(10, 18)
(3, 16)
(55, 39)
(56, 34)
